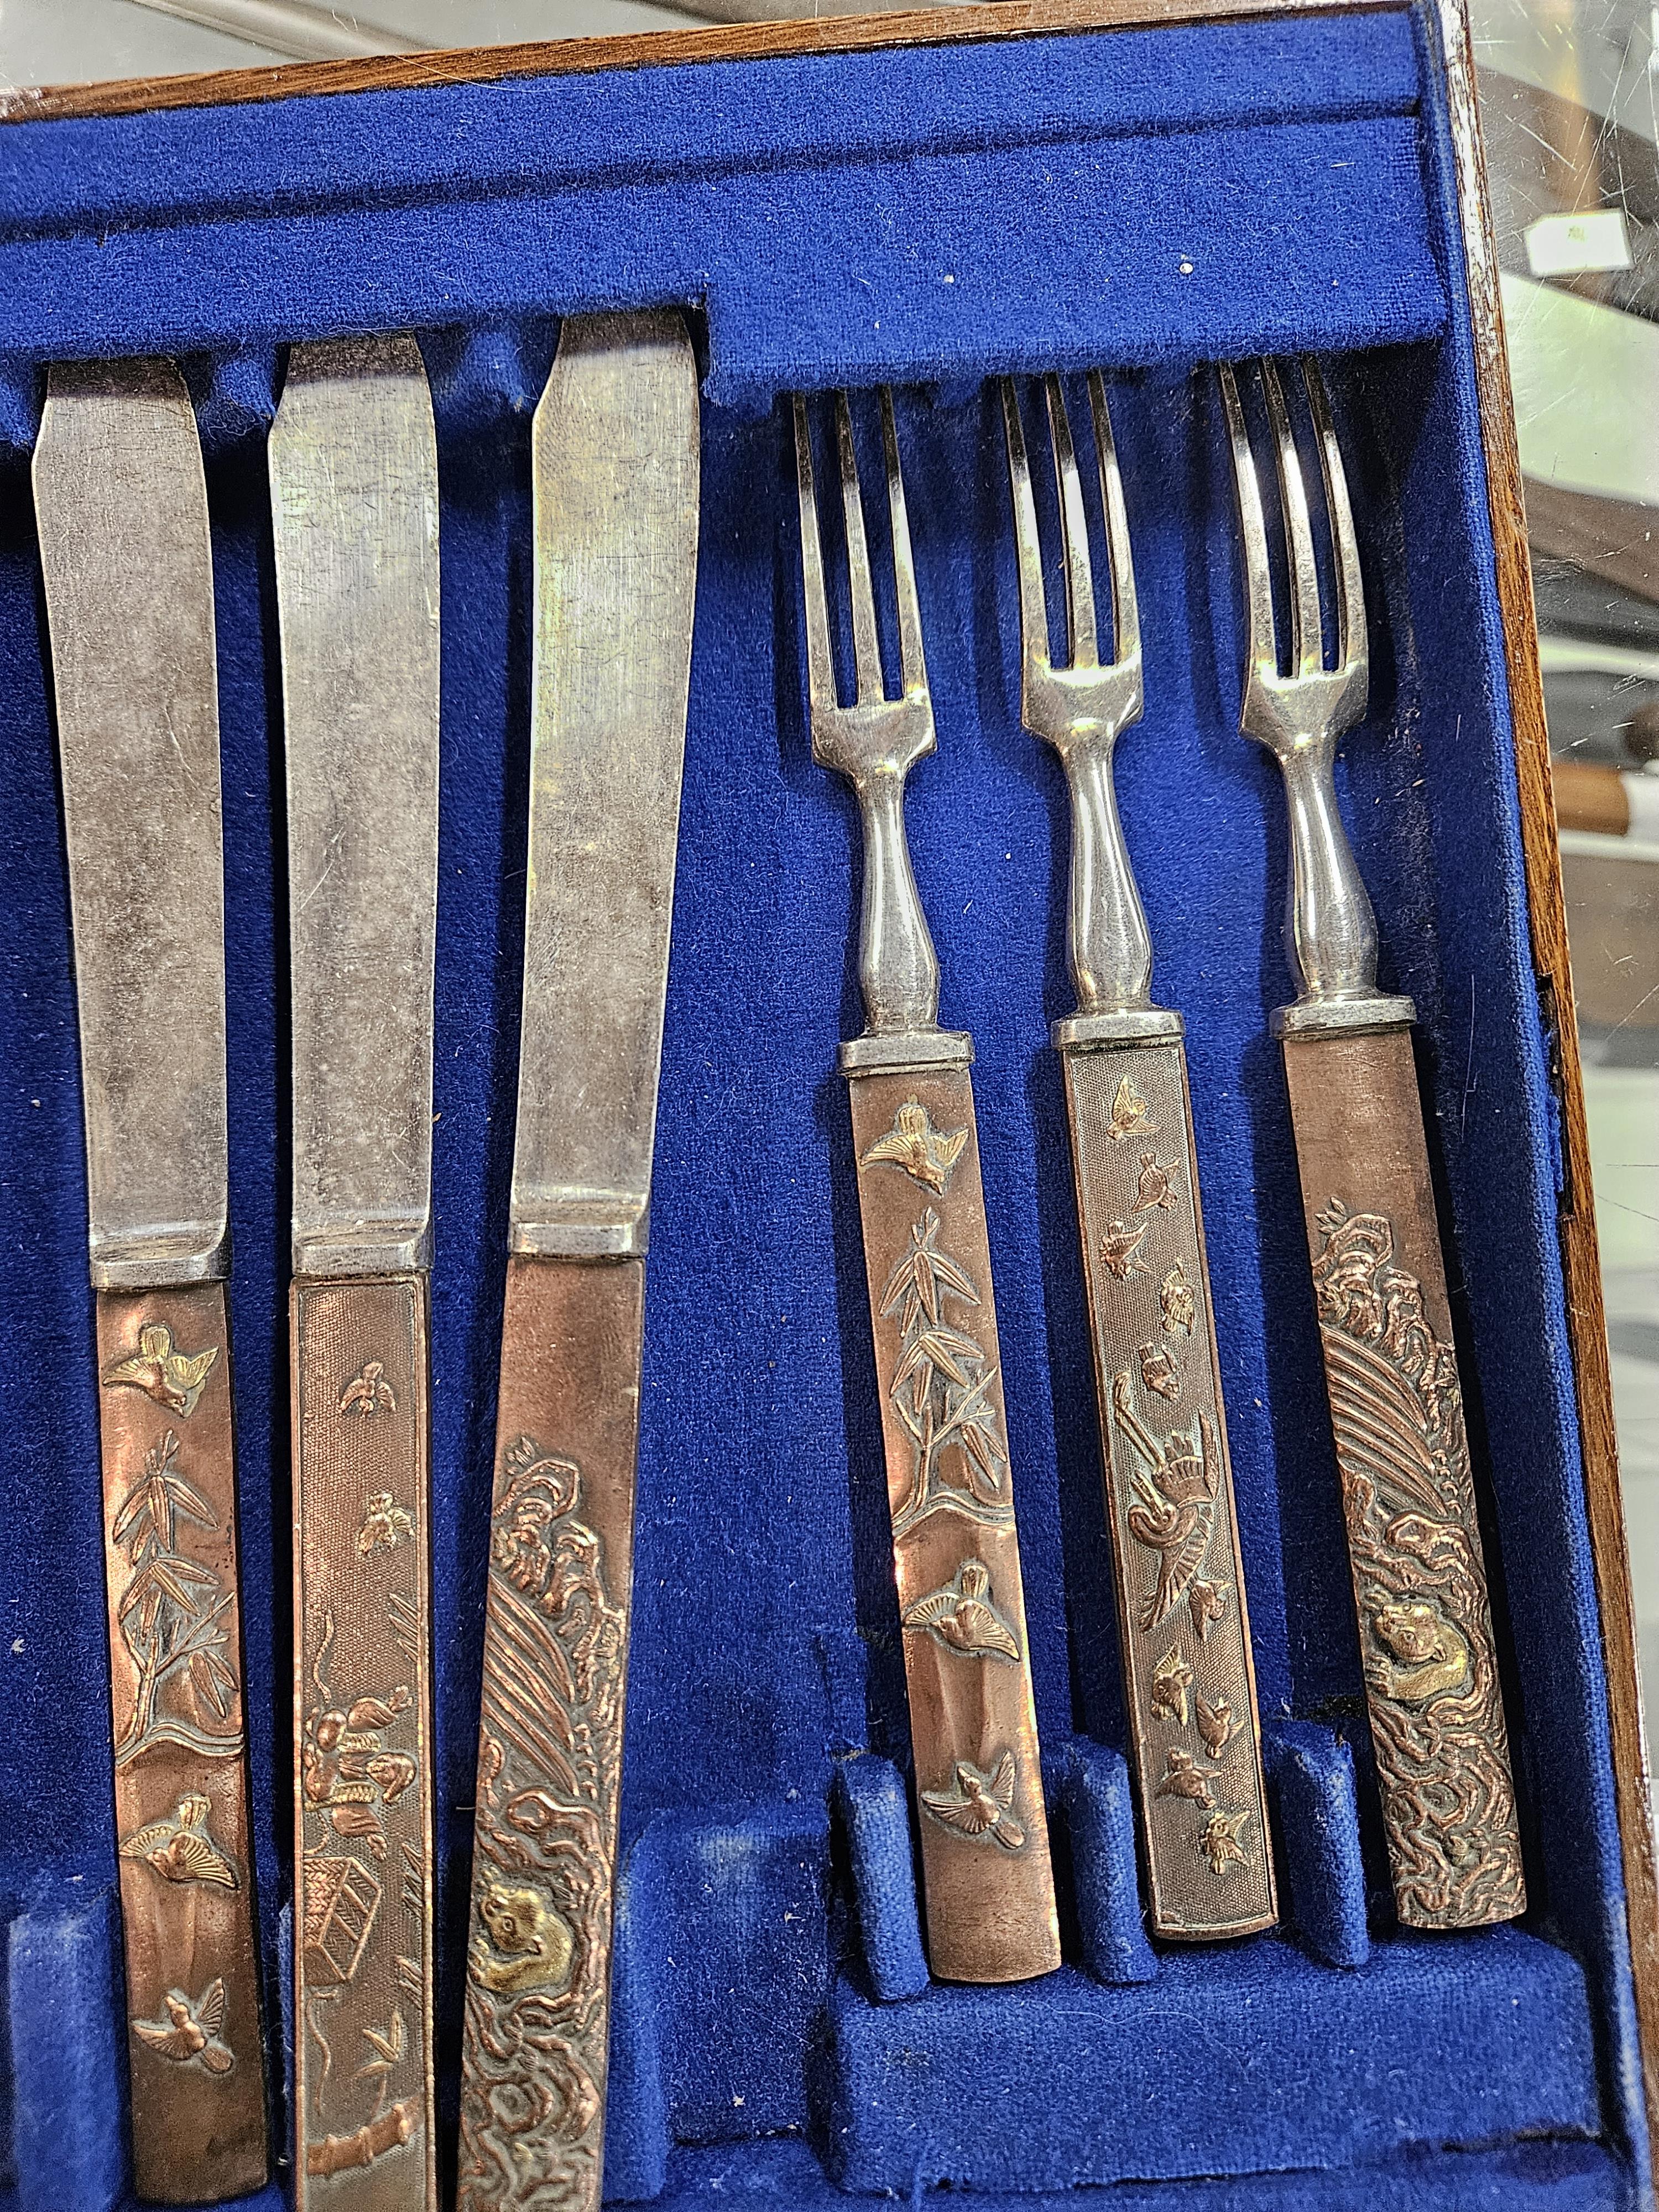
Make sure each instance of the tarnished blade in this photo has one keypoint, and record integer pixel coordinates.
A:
(615, 463)
(354, 474)
(122, 510)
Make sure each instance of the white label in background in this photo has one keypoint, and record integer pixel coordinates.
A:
(1570, 244)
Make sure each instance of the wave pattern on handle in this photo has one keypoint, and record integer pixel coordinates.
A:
(1420, 1582)
(536, 2036)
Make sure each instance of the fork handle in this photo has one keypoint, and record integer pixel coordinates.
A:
(1419, 1581)
(1183, 1626)
(899, 967)
(988, 1884)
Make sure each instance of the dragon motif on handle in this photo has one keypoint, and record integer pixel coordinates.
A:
(538, 1968)
(1419, 1584)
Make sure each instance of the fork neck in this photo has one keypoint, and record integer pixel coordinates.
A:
(1108, 946)
(899, 967)
(1330, 926)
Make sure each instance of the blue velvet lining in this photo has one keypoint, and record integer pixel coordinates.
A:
(813, 209)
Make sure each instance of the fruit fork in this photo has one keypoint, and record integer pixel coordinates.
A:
(988, 1885)
(1184, 1627)
(1419, 1581)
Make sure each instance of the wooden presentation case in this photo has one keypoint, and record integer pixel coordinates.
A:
(1032, 19)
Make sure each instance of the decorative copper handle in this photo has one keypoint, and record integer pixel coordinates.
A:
(987, 1886)
(195, 2042)
(536, 2031)
(1419, 1580)
(363, 1746)
(1183, 1625)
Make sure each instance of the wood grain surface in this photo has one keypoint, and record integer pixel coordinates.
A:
(925, 27)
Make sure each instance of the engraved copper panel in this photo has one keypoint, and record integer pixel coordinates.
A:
(987, 1882)
(181, 1793)
(1419, 1580)
(363, 1912)
(535, 2047)
(1183, 1624)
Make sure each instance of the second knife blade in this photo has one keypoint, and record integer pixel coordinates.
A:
(355, 499)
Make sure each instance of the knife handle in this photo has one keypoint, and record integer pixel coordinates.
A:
(1419, 1581)
(987, 1886)
(195, 2042)
(362, 1745)
(1183, 1625)
(536, 2037)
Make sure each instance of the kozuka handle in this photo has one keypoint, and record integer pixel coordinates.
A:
(986, 1882)
(1419, 1580)
(536, 2031)
(362, 1745)
(1184, 1627)
(195, 2043)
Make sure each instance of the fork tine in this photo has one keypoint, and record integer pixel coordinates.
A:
(1307, 643)
(1073, 531)
(1351, 643)
(867, 643)
(912, 666)
(1028, 546)
(820, 660)
(1264, 654)
(1126, 612)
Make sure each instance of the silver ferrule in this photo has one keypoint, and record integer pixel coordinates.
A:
(582, 1224)
(1330, 926)
(158, 1259)
(362, 1251)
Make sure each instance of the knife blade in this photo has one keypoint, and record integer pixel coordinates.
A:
(121, 506)
(615, 466)
(354, 478)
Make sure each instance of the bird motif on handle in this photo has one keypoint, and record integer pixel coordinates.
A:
(1183, 1780)
(961, 1616)
(1130, 1115)
(174, 1379)
(181, 1849)
(913, 1144)
(1156, 1187)
(1171, 1679)
(1219, 1841)
(981, 1804)
(1216, 1723)
(1118, 1247)
(367, 1394)
(1173, 1512)
(191, 2031)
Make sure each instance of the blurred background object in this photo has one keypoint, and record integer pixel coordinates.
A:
(1570, 100)
(1570, 104)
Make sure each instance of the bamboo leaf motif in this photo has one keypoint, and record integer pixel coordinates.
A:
(169, 1611)
(939, 1387)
